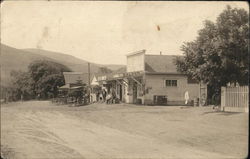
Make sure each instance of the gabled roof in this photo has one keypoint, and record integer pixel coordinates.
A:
(94, 81)
(121, 70)
(160, 63)
(74, 77)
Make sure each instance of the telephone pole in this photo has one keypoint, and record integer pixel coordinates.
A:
(89, 73)
(89, 89)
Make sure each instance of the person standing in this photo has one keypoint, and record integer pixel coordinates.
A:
(38, 96)
(104, 93)
(97, 96)
(100, 96)
(113, 95)
(109, 99)
(186, 97)
(22, 97)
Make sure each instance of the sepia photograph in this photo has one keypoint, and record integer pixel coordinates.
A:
(124, 79)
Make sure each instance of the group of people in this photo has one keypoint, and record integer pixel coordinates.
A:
(101, 95)
(104, 96)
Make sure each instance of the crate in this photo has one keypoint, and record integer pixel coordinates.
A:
(160, 100)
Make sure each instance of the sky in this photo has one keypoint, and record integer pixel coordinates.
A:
(105, 31)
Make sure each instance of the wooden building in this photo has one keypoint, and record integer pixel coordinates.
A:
(153, 79)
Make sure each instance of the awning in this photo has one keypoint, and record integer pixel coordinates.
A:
(66, 86)
(111, 77)
(76, 87)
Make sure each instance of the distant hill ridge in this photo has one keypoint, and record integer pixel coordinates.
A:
(19, 59)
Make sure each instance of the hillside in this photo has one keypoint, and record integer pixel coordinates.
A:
(72, 62)
(19, 59)
(15, 59)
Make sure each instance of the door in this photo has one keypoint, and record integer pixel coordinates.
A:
(120, 92)
(134, 93)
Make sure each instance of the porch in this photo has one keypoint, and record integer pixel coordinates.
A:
(129, 87)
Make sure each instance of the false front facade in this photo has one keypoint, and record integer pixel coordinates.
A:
(152, 80)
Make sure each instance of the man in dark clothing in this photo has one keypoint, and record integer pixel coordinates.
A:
(97, 96)
(104, 93)
(113, 95)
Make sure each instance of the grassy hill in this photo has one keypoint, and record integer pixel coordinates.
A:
(19, 59)
(72, 62)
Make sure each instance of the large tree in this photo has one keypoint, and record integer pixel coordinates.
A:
(104, 70)
(219, 54)
(47, 77)
(43, 77)
(22, 85)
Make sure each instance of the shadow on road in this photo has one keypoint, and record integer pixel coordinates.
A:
(221, 113)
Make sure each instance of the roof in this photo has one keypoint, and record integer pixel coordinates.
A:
(160, 64)
(66, 86)
(121, 70)
(137, 52)
(113, 76)
(94, 81)
(72, 73)
(74, 77)
(69, 87)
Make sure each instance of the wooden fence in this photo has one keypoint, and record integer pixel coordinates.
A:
(235, 99)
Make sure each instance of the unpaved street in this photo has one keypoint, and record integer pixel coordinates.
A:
(39, 129)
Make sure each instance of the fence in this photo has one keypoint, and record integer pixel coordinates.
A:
(235, 99)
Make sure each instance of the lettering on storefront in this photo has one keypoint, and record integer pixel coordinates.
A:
(101, 78)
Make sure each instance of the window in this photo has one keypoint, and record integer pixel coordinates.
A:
(174, 83)
(168, 83)
(171, 83)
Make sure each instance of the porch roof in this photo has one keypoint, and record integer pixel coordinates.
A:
(118, 76)
(68, 86)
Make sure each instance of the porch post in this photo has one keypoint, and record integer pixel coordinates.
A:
(143, 87)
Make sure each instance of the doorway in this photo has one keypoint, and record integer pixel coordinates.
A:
(134, 93)
(120, 87)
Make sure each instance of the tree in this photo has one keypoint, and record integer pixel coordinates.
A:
(219, 54)
(43, 77)
(49, 84)
(47, 77)
(21, 85)
(104, 70)
(43, 68)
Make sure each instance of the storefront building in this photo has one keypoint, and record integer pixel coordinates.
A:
(153, 80)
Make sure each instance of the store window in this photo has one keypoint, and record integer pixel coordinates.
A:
(171, 83)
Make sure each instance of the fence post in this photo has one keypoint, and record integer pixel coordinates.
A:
(223, 98)
(247, 100)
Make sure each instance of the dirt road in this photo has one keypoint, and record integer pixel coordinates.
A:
(39, 129)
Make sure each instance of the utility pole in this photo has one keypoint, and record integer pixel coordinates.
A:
(89, 73)
(89, 89)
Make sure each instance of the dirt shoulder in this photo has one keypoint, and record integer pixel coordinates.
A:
(38, 129)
